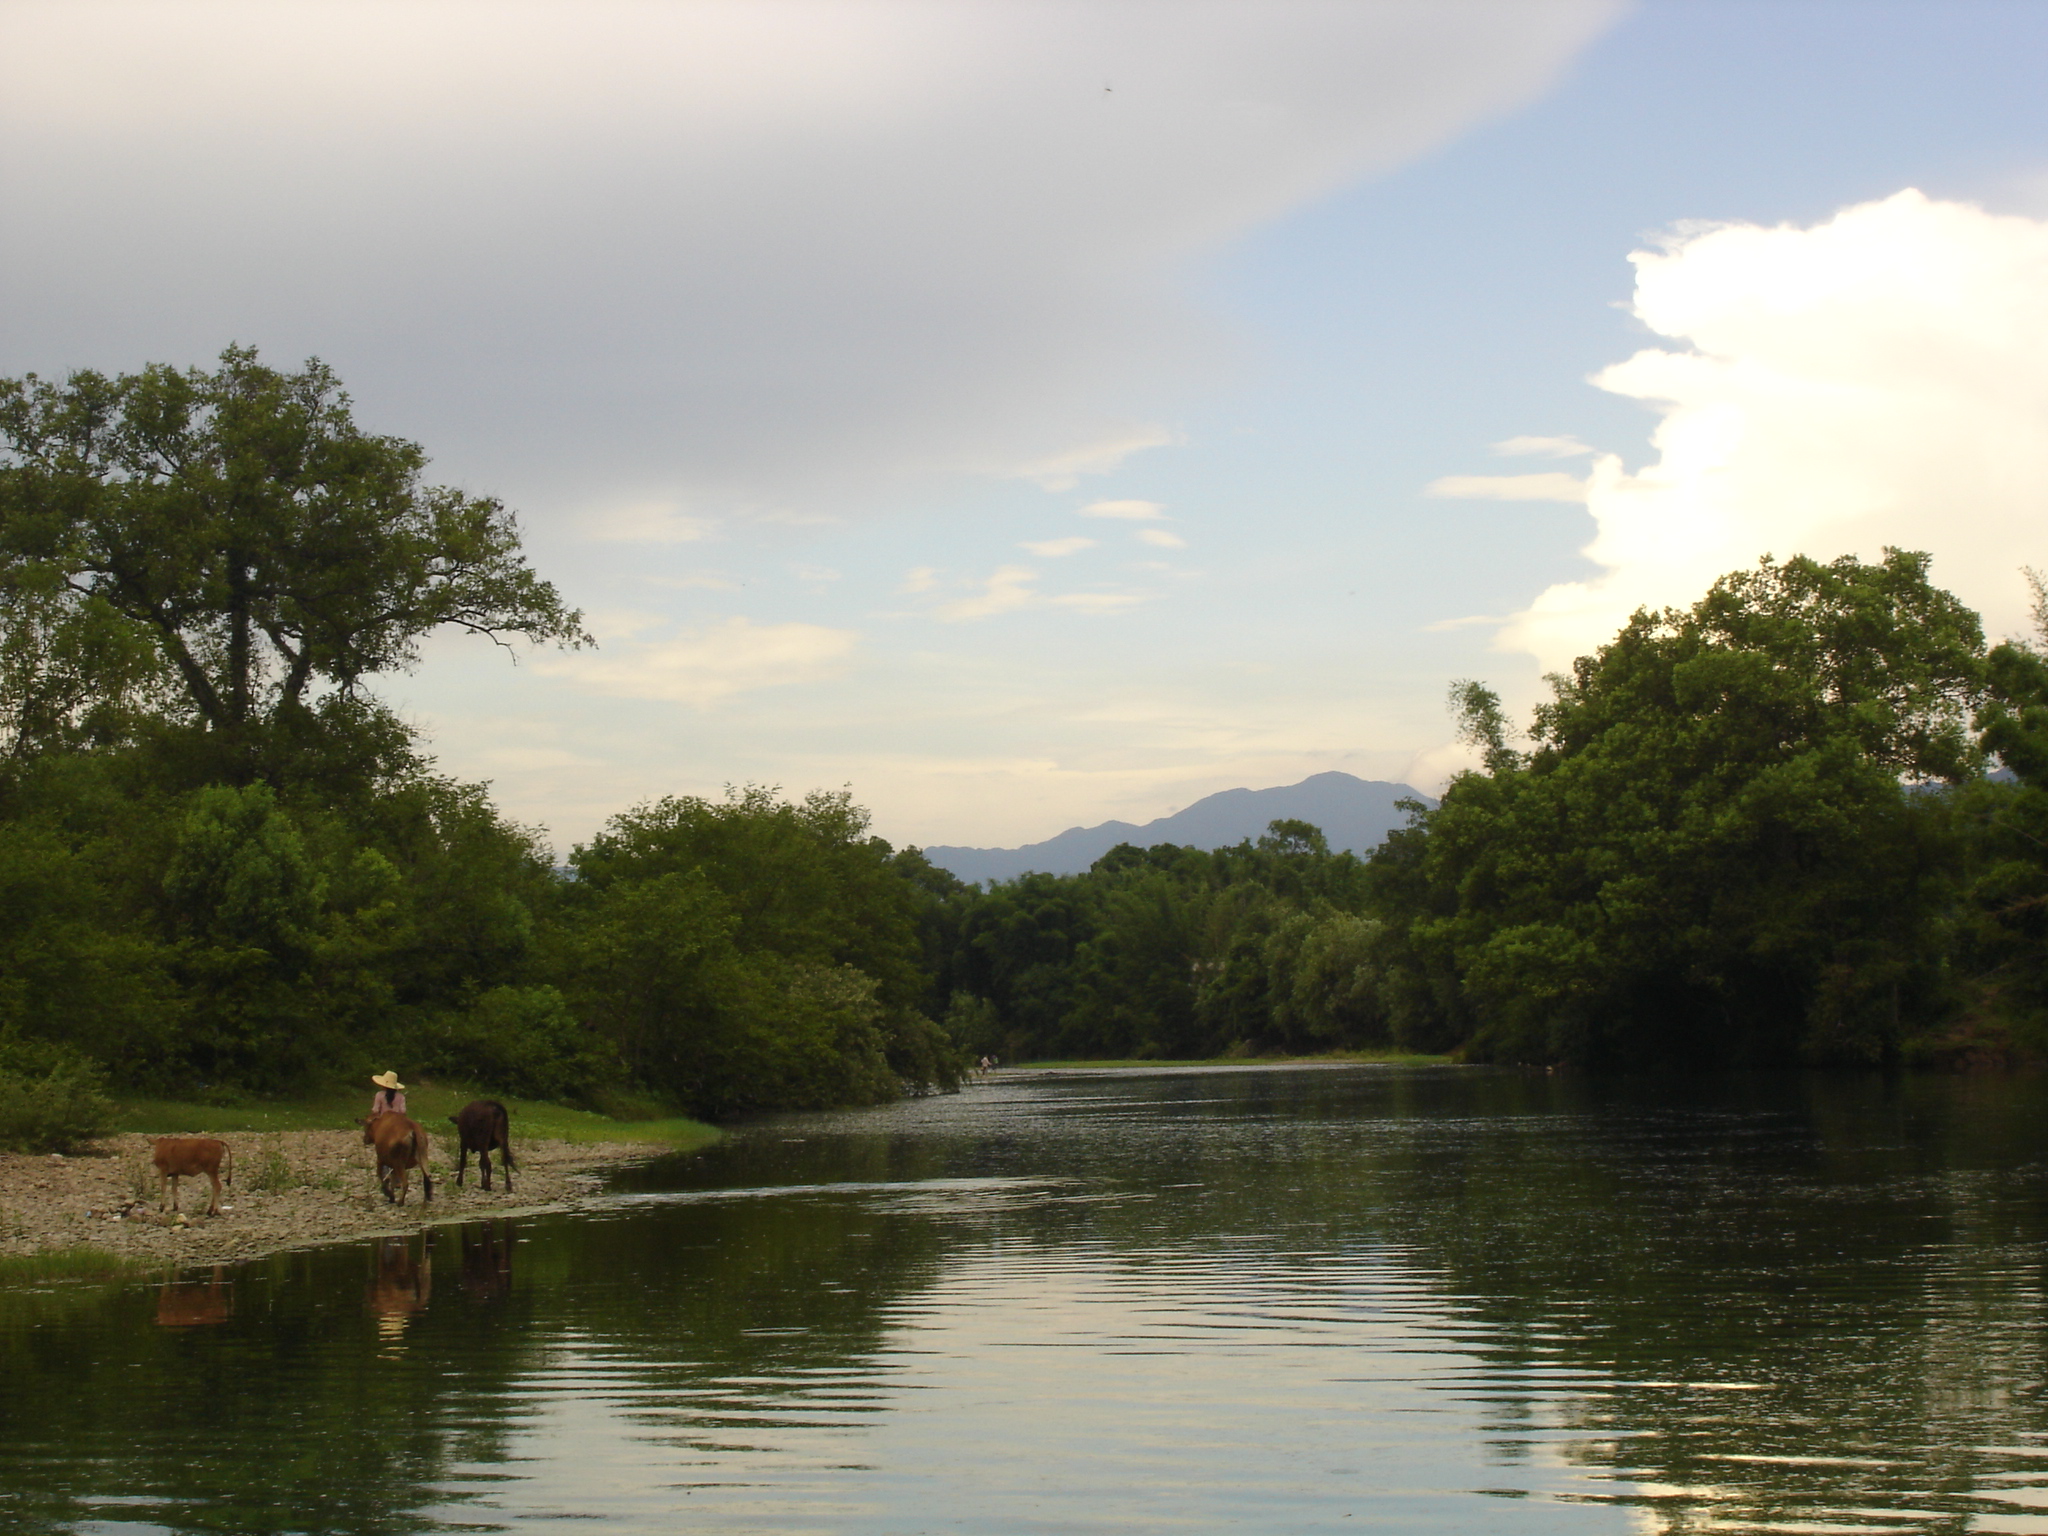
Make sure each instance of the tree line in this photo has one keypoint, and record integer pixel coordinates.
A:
(226, 867)
(1804, 821)
(1760, 830)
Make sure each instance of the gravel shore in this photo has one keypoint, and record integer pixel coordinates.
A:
(291, 1189)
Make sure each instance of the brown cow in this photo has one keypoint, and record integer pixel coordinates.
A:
(186, 1157)
(401, 1147)
(483, 1127)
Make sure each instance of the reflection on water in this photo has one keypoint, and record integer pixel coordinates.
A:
(195, 1303)
(401, 1287)
(1294, 1299)
(487, 1259)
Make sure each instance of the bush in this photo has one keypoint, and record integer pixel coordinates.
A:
(52, 1099)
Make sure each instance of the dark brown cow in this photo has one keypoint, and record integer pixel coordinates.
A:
(484, 1127)
(186, 1157)
(401, 1147)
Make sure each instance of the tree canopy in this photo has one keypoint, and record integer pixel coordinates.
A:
(239, 521)
(1756, 830)
(1711, 852)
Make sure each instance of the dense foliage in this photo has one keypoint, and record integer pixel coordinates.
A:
(1708, 855)
(1758, 830)
(226, 868)
(1170, 952)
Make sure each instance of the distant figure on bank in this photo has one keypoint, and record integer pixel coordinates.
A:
(390, 1099)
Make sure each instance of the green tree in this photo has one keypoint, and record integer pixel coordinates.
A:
(246, 905)
(240, 521)
(1710, 854)
(756, 952)
(2008, 826)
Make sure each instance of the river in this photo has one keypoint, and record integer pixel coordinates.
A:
(1263, 1299)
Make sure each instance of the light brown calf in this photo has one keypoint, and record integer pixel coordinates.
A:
(186, 1157)
(401, 1147)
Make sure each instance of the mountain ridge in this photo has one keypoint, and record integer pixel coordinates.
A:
(1353, 813)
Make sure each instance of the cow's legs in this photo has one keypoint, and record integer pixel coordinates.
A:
(462, 1167)
(483, 1161)
(174, 1193)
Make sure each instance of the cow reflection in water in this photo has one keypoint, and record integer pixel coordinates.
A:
(194, 1303)
(402, 1286)
(487, 1261)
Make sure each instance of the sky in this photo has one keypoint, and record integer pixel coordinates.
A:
(1029, 413)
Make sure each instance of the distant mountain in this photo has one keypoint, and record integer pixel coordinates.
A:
(1353, 813)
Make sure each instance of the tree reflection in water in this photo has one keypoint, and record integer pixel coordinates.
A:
(1434, 1300)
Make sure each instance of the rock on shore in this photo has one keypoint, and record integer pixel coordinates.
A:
(291, 1189)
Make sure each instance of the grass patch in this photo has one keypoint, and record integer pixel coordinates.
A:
(79, 1263)
(1359, 1058)
(429, 1103)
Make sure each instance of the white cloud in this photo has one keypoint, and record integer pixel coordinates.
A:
(1880, 378)
(1544, 447)
(921, 578)
(648, 522)
(1010, 589)
(1161, 538)
(1063, 471)
(758, 255)
(1137, 510)
(1434, 767)
(816, 574)
(1053, 549)
(534, 759)
(622, 623)
(702, 666)
(1469, 621)
(1553, 485)
(1099, 602)
(1004, 592)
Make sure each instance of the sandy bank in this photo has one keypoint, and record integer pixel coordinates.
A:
(291, 1189)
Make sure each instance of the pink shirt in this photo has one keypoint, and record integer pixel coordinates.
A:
(389, 1101)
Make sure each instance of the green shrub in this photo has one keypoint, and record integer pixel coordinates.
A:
(517, 1040)
(272, 1172)
(52, 1099)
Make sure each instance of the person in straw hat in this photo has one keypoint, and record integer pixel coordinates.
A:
(390, 1099)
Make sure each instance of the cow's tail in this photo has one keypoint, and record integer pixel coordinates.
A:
(227, 1155)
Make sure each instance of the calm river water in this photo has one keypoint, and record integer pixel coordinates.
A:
(1301, 1299)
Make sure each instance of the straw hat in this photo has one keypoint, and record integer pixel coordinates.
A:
(389, 1080)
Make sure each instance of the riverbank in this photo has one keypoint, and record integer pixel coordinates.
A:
(1326, 1059)
(292, 1189)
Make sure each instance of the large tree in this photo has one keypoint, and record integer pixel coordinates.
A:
(1717, 850)
(269, 549)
